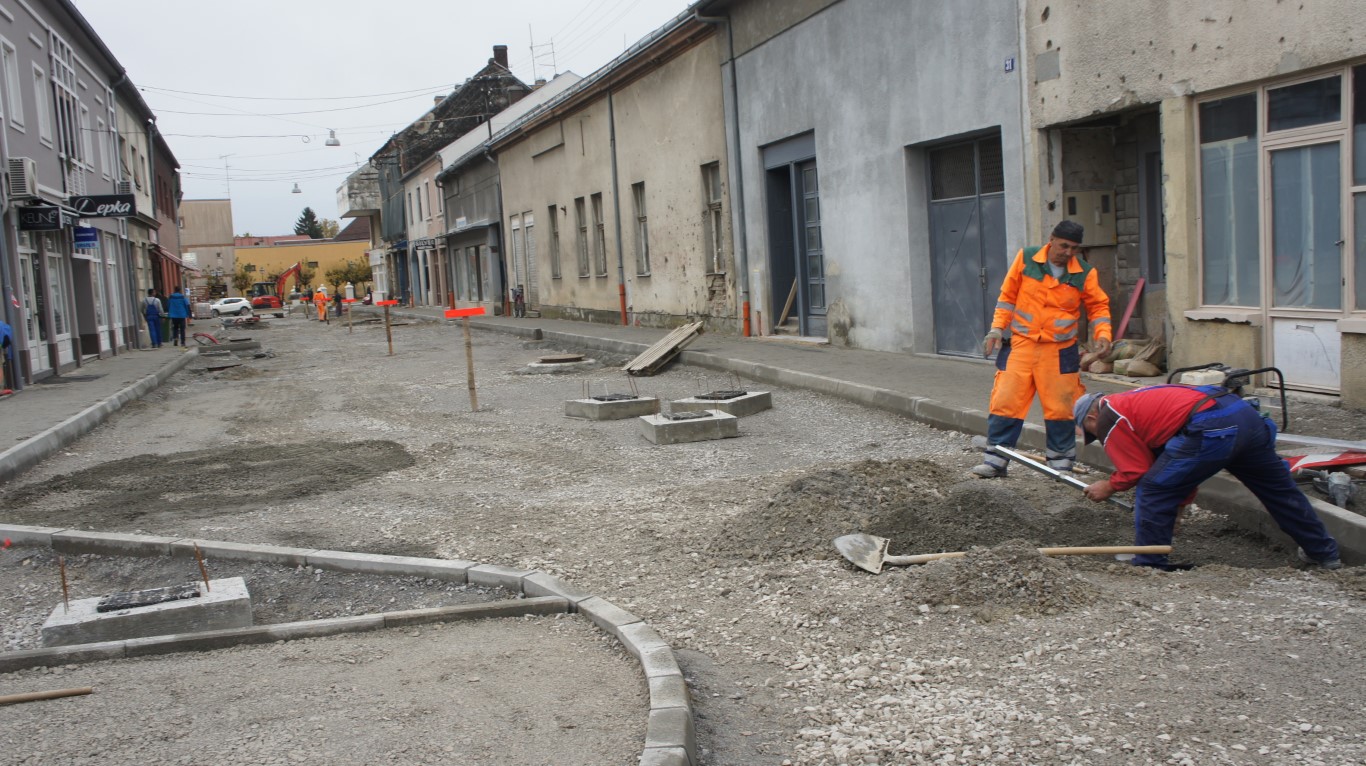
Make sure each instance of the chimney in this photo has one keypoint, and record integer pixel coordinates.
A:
(540, 81)
(500, 55)
(437, 99)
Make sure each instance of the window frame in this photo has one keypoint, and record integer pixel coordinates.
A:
(42, 104)
(713, 222)
(13, 84)
(599, 235)
(642, 229)
(556, 269)
(581, 241)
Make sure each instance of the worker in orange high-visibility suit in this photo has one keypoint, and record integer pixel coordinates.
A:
(1040, 305)
(320, 300)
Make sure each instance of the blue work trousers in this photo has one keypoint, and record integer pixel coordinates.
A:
(154, 329)
(1233, 436)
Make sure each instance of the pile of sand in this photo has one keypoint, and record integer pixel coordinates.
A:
(1007, 579)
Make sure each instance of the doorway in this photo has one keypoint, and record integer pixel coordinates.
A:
(796, 251)
(968, 258)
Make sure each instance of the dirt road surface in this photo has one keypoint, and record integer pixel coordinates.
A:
(793, 656)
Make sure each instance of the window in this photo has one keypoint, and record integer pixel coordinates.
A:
(14, 100)
(1228, 202)
(100, 155)
(418, 197)
(250, 268)
(1280, 201)
(552, 215)
(711, 218)
(427, 194)
(581, 221)
(642, 230)
(40, 104)
(599, 236)
(312, 264)
(87, 146)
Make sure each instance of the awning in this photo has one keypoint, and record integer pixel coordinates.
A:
(162, 252)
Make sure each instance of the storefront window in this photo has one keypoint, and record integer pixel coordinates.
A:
(1308, 103)
(56, 276)
(1359, 208)
(1306, 220)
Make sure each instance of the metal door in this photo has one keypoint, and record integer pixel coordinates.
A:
(968, 257)
(811, 247)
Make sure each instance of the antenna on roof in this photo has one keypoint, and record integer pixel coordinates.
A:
(540, 57)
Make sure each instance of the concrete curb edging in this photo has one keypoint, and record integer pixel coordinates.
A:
(670, 737)
(32, 451)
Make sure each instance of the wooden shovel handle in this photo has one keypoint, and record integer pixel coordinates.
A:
(1100, 550)
(10, 699)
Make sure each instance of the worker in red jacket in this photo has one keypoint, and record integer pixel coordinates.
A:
(1039, 309)
(1165, 440)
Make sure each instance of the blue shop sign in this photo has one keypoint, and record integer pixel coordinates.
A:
(87, 238)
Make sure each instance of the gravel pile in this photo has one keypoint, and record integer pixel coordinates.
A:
(1009, 579)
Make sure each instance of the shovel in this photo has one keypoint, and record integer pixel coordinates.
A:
(869, 552)
(1059, 475)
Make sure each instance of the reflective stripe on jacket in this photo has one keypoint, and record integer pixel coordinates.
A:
(1035, 304)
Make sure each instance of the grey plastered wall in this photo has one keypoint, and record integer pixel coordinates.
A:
(875, 80)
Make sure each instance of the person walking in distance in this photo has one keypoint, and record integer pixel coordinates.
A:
(1040, 304)
(320, 301)
(178, 308)
(151, 310)
(1165, 440)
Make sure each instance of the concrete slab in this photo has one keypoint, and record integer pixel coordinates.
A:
(226, 604)
(670, 727)
(111, 543)
(263, 554)
(717, 425)
(592, 409)
(19, 534)
(741, 406)
(402, 566)
(495, 576)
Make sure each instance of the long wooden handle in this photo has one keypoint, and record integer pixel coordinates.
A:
(1101, 550)
(10, 699)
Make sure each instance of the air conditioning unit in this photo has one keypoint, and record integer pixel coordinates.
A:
(23, 177)
(125, 187)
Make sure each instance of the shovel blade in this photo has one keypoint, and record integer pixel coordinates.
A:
(866, 552)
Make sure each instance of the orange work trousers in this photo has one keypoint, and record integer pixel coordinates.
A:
(322, 310)
(1027, 367)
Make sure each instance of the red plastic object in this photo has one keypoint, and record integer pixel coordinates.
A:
(1326, 460)
(386, 303)
(470, 312)
(348, 300)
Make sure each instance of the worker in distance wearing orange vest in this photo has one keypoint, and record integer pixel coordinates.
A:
(320, 300)
(1040, 305)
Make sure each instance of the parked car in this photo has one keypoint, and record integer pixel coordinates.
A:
(238, 306)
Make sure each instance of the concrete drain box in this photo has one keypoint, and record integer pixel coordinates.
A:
(682, 427)
(611, 407)
(737, 403)
(157, 612)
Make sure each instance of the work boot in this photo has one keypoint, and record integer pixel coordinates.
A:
(1061, 462)
(993, 466)
(1328, 564)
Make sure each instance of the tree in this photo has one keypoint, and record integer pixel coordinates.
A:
(358, 273)
(308, 224)
(305, 277)
(329, 228)
(243, 277)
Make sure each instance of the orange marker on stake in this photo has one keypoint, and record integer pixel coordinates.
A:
(465, 315)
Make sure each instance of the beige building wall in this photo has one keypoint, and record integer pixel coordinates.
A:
(206, 231)
(669, 124)
(270, 261)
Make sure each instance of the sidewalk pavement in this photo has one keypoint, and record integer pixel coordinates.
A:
(944, 392)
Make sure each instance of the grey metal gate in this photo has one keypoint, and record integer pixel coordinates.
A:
(968, 257)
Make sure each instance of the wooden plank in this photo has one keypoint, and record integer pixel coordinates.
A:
(652, 359)
(787, 307)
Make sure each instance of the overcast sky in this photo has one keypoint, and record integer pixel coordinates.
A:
(364, 69)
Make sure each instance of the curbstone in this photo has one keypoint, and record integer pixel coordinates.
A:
(495, 576)
(639, 638)
(606, 615)
(290, 631)
(382, 564)
(660, 662)
(60, 655)
(669, 691)
(541, 584)
(671, 727)
(25, 535)
(111, 543)
(517, 608)
(257, 554)
(665, 756)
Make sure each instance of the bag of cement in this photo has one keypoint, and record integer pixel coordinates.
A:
(1122, 349)
(1140, 368)
(1100, 367)
(1155, 352)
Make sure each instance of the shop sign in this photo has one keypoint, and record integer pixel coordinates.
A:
(426, 243)
(43, 218)
(87, 238)
(104, 205)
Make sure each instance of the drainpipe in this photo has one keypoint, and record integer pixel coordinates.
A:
(502, 265)
(616, 210)
(8, 279)
(733, 156)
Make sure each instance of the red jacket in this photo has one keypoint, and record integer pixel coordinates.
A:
(1137, 425)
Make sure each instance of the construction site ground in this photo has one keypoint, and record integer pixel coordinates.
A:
(792, 655)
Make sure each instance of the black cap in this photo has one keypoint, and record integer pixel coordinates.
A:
(1070, 231)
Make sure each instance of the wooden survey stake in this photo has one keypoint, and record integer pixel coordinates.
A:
(349, 330)
(465, 315)
(388, 333)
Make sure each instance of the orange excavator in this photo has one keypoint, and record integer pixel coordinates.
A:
(270, 296)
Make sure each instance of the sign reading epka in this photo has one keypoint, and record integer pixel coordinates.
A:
(104, 206)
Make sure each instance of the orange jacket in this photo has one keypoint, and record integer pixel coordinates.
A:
(320, 297)
(1042, 308)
